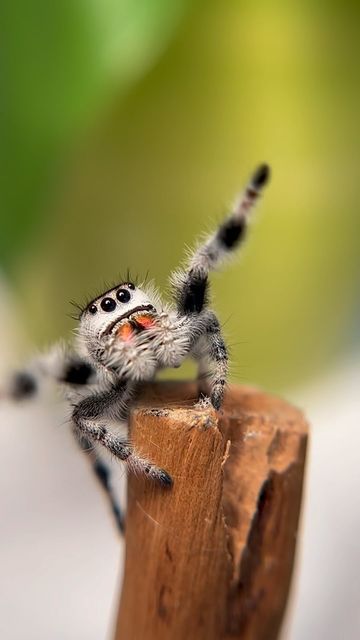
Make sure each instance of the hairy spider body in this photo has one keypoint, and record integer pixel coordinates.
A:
(127, 334)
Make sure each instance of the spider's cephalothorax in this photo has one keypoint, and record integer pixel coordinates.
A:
(127, 334)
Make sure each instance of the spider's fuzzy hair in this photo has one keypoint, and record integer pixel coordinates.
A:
(152, 291)
(84, 336)
(116, 413)
(135, 359)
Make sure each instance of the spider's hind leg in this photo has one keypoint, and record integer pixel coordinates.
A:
(103, 475)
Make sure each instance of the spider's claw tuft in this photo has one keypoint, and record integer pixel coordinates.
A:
(216, 401)
(204, 402)
(164, 478)
(160, 476)
(261, 176)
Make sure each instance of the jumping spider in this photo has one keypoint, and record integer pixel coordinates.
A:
(127, 334)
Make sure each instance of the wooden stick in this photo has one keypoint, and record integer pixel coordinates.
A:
(212, 558)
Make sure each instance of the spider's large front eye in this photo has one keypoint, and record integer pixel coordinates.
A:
(108, 304)
(123, 295)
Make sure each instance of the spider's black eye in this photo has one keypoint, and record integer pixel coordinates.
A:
(93, 309)
(108, 304)
(131, 286)
(123, 295)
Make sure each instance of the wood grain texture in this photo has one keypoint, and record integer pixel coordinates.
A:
(212, 558)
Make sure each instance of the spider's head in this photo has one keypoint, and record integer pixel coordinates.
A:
(119, 311)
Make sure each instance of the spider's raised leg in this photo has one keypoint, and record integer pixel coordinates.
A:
(191, 287)
(191, 284)
(103, 475)
(89, 418)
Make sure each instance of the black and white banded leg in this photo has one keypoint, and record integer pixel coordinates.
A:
(191, 285)
(89, 418)
(102, 473)
(58, 365)
(73, 372)
(211, 353)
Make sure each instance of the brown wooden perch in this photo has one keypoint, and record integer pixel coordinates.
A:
(212, 558)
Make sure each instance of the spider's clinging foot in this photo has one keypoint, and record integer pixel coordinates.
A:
(161, 476)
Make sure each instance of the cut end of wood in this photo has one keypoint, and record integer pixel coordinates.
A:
(212, 557)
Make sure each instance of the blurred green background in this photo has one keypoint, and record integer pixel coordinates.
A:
(127, 127)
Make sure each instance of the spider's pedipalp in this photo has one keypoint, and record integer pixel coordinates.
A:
(134, 360)
(171, 339)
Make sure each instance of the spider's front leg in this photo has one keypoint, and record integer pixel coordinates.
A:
(211, 353)
(89, 419)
